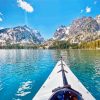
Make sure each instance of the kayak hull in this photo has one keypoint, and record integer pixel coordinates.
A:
(55, 80)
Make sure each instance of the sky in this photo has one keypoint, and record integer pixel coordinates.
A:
(45, 15)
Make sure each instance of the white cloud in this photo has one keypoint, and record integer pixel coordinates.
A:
(1, 28)
(95, 2)
(1, 14)
(88, 9)
(25, 6)
(81, 11)
(1, 19)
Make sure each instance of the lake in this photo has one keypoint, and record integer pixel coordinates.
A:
(22, 72)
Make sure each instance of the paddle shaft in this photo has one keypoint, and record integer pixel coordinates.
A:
(63, 74)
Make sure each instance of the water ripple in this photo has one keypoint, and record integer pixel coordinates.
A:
(24, 89)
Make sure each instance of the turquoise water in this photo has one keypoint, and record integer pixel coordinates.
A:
(22, 72)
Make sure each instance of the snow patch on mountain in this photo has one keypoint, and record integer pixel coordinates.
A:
(21, 35)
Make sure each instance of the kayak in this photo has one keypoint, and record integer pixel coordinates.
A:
(62, 84)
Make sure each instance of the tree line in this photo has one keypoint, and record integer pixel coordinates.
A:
(83, 45)
(58, 45)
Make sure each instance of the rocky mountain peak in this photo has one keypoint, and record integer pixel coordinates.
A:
(98, 19)
(61, 32)
(21, 34)
(81, 29)
(84, 25)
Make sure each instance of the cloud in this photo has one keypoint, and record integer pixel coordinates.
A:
(1, 19)
(1, 14)
(81, 11)
(1, 28)
(88, 9)
(95, 2)
(25, 6)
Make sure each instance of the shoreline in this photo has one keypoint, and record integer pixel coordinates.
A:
(42, 49)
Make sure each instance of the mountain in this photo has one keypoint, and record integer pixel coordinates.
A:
(84, 25)
(82, 29)
(20, 35)
(61, 32)
(98, 20)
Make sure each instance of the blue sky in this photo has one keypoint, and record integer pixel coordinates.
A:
(45, 15)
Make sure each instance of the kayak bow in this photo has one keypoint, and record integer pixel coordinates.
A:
(62, 84)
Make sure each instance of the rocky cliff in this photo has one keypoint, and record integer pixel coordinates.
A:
(82, 29)
(20, 35)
